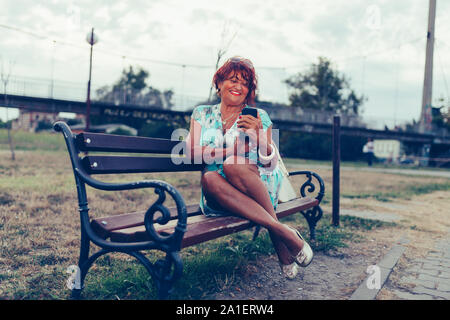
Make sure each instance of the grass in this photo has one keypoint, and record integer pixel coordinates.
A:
(208, 268)
(39, 226)
(405, 192)
(223, 263)
(43, 141)
(358, 164)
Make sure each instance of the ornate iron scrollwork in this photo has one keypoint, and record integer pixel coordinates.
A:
(310, 185)
(149, 218)
(314, 214)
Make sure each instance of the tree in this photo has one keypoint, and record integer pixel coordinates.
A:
(324, 88)
(132, 88)
(441, 114)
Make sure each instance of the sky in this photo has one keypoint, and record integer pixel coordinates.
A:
(378, 45)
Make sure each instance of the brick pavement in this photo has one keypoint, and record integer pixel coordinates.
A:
(429, 276)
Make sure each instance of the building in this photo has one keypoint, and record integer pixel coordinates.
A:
(29, 120)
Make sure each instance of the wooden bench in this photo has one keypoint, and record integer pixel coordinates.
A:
(162, 228)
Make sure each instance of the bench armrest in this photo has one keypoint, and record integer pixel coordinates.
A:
(166, 243)
(171, 242)
(309, 186)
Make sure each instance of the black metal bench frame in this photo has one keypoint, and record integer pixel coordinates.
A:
(165, 271)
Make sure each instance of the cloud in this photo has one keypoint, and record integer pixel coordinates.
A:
(371, 42)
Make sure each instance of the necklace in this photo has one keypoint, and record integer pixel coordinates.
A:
(224, 121)
(230, 117)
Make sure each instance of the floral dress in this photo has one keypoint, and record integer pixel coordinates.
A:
(210, 119)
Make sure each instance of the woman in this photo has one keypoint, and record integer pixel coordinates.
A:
(242, 176)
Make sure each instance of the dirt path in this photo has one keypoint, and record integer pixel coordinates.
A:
(336, 277)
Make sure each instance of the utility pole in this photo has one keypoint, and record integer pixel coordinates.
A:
(428, 76)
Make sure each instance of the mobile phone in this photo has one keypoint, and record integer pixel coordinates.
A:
(250, 111)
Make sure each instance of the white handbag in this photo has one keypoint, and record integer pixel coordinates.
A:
(287, 192)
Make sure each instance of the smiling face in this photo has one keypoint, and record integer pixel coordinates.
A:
(237, 74)
(233, 90)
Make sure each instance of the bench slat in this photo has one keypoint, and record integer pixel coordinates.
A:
(103, 226)
(87, 141)
(202, 228)
(299, 204)
(124, 164)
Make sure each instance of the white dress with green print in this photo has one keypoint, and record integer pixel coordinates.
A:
(209, 117)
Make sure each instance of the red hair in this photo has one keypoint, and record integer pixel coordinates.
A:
(245, 68)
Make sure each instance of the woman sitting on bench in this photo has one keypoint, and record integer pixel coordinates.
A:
(242, 177)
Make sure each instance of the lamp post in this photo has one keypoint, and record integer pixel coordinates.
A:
(92, 39)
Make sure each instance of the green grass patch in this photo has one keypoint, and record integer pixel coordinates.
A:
(357, 164)
(23, 140)
(207, 268)
(330, 238)
(383, 197)
(427, 188)
(401, 192)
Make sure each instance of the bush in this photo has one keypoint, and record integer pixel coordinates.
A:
(121, 132)
(157, 129)
(73, 122)
(44, 125)
(319, 146)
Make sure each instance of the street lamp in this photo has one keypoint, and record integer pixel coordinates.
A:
(92, 39)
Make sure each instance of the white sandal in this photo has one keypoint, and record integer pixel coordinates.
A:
(290, 271)
(305, 256)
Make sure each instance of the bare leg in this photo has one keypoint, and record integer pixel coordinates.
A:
(246, 178)
(217, 187)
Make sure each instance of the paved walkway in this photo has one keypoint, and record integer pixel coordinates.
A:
(426, 279)
(430, 276)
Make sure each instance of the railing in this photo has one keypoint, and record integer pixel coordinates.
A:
(74, 91)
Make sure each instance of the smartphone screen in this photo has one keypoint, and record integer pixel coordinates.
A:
(251, 111)
(248, 111)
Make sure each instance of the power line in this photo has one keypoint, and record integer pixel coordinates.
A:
(184, 65)
(118, 54)
(124, 56)
(361, 56)
(23, 31)
(381, 51)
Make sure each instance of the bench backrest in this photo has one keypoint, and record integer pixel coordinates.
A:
(167, 154)
(169, 159)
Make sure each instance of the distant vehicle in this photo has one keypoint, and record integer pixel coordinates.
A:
(407, 161)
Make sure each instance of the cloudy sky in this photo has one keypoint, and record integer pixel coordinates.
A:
(379, 45)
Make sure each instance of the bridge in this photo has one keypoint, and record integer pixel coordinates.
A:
(290, 119)
(44, 95)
